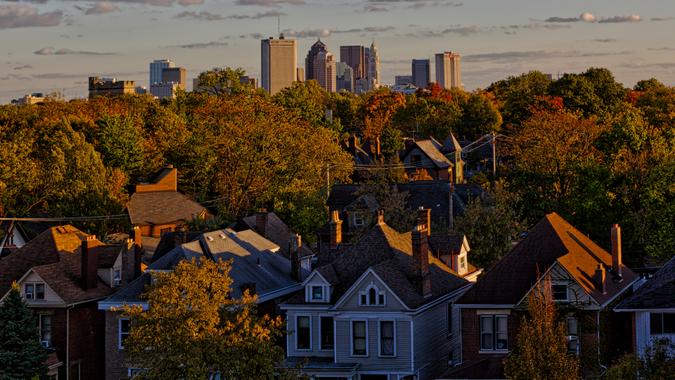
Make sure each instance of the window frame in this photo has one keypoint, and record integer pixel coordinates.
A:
(321, 331)
(494, 324)
(379, 338)
(553, 293)
(120, 333)
(26, 292)
(662, 323)
(351, 337)
(311, 293)
(358, 219)
(297, 332)
(41, 329)
(365, 295)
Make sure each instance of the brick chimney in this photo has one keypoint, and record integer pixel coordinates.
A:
(600, 278)
(424, 216)
(296, 267)
(420, 248)
(353, 143)
(88, 263)
(261, 222)
(616, 249)
(335, 225)
(380, 217)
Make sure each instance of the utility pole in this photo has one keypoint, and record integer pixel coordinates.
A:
(494, 155)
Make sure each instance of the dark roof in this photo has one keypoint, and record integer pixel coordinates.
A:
(445, 244)
(389, 254)
(431, 148)
(657, 293)
(158, 207)
(551, 240)
(55, 256)
(171, 240)
(278, 232)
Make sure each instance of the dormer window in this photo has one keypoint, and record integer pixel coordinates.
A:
(117, 277)
(372, 296)
(34, 291)
(317, 293)
(559, 292)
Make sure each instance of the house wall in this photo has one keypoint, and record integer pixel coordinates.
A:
(314, 330)
(470, 330)
(643, 337)
(155, 229)
(425, 163)
(351, 303)
(435, 344)
(51, 298)
(87, 341)
(114, 357)
(576, 294)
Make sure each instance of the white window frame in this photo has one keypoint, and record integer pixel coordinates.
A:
(494, 348)
(361, 220)
(351, 338)
(366, 293)
(321, 333)
(116, 280)
(120, 333)
(311, 293)
(379, 338)
(567, 292)
(51, 329)
(297, 335)
(33, 293)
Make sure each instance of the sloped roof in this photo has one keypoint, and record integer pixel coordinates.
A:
(657, 293)
(55, 256)
(551, 240)
(160, 207)
(389, 254)
(278, 232)
(431, 148)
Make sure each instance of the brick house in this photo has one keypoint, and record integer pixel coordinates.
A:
(586, 281)
(62, 274)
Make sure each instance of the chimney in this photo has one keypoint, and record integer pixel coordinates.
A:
(138, 250)
(377, 148)
(380, 216)
(296, 268)
(616, 249)
(600, 278)
(352, 144)
(335, 225)
(261, 222)
(424, 216)
(88, 263)
(420, 248)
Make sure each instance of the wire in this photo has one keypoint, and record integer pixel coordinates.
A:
(68, 218)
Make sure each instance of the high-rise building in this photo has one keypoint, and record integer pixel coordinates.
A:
(373, 67)
(300, 74)
(156, 68)
(420, 72)
(176, 75)
(402, 80)
(344, 77)
(448, 70)
(355, 57)
(324, 70)
(279, 63)
(317, 48)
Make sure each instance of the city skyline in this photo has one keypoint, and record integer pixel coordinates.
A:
(57, 44)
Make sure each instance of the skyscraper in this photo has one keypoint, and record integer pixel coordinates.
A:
(324, 70)
(448, 70)
(156, 68)
(420, 72)
(355, 57)
(373, 67)
(279, 63)
(317, 48)
(344, 77)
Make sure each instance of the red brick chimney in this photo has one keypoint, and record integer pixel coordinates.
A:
(261, 222)
(616, 249)
(296, 267)
(424, 216)
(335, 225)
(600, 278)
(89, 263)
(420, 248)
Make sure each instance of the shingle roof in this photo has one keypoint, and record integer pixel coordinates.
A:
(551, 240)
(431, 149)
(657, 293)
(160, 207)
(55, 256)
(278, 232)
(389, 254)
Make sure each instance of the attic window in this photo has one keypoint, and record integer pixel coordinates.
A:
(372, 296)
(559, 292)
(34, 291)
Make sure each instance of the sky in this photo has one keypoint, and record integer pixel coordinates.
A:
(54, 45)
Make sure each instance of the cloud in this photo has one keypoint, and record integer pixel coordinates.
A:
(201, 45)
(26, 16)
(465, 31)
(269, 3)
(157, 3)
(202, 16)
(23, 67)
(662, 18)
(257, 16)
(587, 17)
(370, 8)
(620, 19)
(562, 19)
(511, 56)
(316, 33)
(99, 8)
(662, 49)
(604, 40)
(51, 51)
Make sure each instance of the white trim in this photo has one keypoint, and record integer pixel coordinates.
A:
(567, 291)
(366, 293)
(351, 337)
(309, 316)
(119, 332)
(379, 338)
(412, 345)
(493, 318)
(315, 273)
(321, 330)
(309, 293)
(668, 310)
(354, 286)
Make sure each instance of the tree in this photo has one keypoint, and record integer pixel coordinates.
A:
(223, 81)
(479, 116)
(518, 94)
(657, 363)
(578, 93)
(309, 101)
(120, 144)
(21, 354)
(193, 329)
(540, 352)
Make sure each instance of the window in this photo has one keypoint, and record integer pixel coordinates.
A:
(317, 293)
(46, 330)
(303, 334)
(358, 219)
(34, 291)
(359, 340)
(662, 323)
(462, 263)
(415, 159)
(326, 333)
(372, 296)
(387, 338)
(559, 292)
(123, 331)
(39, 291)
(117, 277)
(493, 332)
(572, 335)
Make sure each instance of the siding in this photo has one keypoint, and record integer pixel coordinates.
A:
(314, 328)
(575, 293)
(432, 343)
(352, 300)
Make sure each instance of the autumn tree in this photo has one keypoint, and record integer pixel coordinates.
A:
(223, 81)
(309, 101)
(658, 362)
(194, 329)
(540, 352)
(517, 94)
(378, 109)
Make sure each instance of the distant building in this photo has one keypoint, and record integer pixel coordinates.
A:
(402, 80)
(344, 77)
(355, 57)
(300, 74)
(34, 98)
(448, 70)
(156, 68)
(373, 67)
(164, 90)
(110, 87)
(420, 72)
(176, 75)
(317, 48)
(279, 63)
(324, 70)
(140, 90)
(407, 89)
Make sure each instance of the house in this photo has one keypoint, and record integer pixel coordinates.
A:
(11, 238)
(158, 207)
(62, 274)
(586, 280)
(257, 266)
(652, 309)
(423, 160)
(380, 310)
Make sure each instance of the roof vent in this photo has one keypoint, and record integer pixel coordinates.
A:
(222, 236)
(209, 238)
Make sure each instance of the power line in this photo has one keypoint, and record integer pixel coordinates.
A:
(67, 218)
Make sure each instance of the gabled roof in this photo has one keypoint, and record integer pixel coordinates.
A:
(55, 256)
(552, 240)
(657, 293)
(389, 254)
(278, 232)
(431, 148)
(160, 207)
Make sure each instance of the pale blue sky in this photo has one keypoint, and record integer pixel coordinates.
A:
(56, 44)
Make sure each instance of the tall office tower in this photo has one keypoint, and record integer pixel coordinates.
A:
(373, 67)
(355, 57)
(448, 70)
(176, 75)
(420, 72)
(324, 70)
(344, 77)
(156, 68)
(279, 63)
(317, 48)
